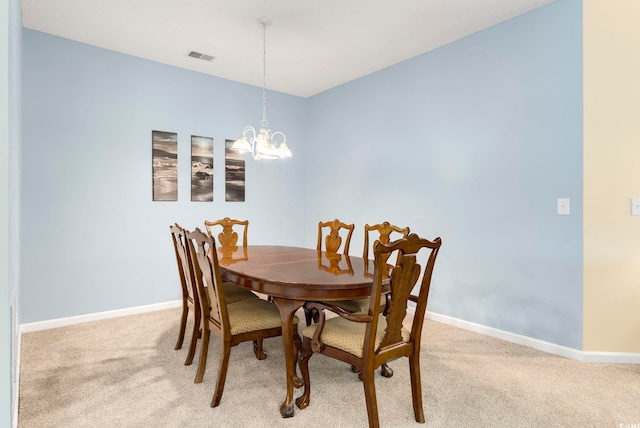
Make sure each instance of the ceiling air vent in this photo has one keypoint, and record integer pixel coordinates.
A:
(198, 55)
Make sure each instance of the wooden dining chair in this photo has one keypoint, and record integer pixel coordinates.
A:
(367, 340)
(228, 240)
(190, 300)
(385, 231)
(333, 237)
(234, 323)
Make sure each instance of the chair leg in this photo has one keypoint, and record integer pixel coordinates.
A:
(204, 349)
(194, 340)
(386, 371)
(183, 324)
(258, 350)
(222, 374)
(303, 362)
(370, 396)
(297, 345)
(311, 316)
(416, 388)
(308, 316)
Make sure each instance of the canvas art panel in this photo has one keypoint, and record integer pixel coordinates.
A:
(201, 169)
(234, 174)
(165, 165)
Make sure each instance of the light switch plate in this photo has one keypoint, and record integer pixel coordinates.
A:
(635, 206)
(564, 206)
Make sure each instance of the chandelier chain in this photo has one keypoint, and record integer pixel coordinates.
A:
(264, 122)
(264, 143)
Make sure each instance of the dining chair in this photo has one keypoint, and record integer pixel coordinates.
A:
(189, 293)
(331, 235)
(234, 323)
(367, 340)
(190, 298)
(384, 230)
(227, 240)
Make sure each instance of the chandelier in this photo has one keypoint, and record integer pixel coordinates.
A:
(264, 144)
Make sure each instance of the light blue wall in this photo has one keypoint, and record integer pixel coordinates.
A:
(92, 239)
(473, 142)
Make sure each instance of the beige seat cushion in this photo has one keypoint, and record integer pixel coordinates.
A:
(348, 336)
(353, 306)
(254, 314)
(234, 293)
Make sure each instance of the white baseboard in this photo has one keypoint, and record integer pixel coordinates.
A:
(541, 345)
(611, 357)
(62, 322)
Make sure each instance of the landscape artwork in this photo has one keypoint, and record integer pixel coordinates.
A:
(201, 169)
(165, 165)
(233, 173)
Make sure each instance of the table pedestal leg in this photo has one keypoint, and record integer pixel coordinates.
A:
(287, 310)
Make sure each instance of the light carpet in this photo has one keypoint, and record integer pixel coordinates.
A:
(124, 372)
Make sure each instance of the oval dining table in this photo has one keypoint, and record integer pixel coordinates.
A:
(293, 276)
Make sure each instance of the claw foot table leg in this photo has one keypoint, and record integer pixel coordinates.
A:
(287, 310)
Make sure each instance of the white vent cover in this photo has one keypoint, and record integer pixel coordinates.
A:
(198, 55)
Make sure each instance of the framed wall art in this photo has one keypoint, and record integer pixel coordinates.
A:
(233, 173)
(201, 169)
(165, 165)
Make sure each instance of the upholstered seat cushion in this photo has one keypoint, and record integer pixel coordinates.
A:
(254, 314)
(348, 335)
(353, 306)
(234, 293)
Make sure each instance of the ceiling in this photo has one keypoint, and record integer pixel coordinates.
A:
(312, 45)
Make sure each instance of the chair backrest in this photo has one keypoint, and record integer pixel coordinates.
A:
(333, 240)
(187, 278)
(385, 230)
(204, 259)
(404, 277)
(227, 239)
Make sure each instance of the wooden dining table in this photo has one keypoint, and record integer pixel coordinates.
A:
(293, 276)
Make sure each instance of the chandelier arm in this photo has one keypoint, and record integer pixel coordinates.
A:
(273, 137)
(246, 130)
